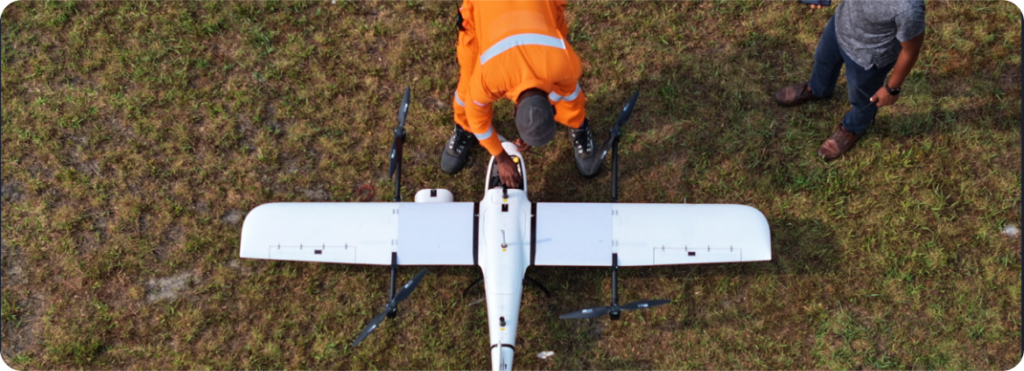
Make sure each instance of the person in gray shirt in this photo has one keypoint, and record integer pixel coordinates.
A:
(871, 38)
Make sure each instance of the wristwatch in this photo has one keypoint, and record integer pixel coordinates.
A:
(892, 91)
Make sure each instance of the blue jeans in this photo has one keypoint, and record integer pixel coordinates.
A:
(861, 84)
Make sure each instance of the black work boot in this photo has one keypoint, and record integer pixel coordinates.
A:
(587, 158)
(455, 153)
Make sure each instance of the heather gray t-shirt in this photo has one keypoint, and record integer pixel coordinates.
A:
(870, 31)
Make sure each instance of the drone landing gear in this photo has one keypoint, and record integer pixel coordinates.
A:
(526, 280)
(535, 283)
(471, 286)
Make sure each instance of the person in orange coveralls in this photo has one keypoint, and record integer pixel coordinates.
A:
(517, 50)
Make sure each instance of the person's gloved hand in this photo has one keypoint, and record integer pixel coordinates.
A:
(507, 171)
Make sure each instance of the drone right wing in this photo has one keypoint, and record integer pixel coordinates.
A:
(587, 234)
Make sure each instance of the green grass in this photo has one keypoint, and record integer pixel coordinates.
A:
(135, 135)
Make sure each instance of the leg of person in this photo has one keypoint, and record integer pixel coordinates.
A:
(456, 150)
(828, 61)
(861, 85)
(588, 156)
(569, 111)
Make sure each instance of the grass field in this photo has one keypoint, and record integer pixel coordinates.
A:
(136, 135)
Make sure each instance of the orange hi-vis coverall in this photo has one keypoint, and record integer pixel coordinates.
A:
(506, 48)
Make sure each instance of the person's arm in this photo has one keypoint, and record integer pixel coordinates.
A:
(563, 26)
(904, 63)
(479, 112)
(468, 49)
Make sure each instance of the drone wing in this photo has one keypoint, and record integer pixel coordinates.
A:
(361, 233)
(587, 234)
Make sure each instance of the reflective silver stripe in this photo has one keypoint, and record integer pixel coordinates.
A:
(520, 40)
(574, 94)
(486, 134)
(478, 103)
(555, 97)
(459, 100)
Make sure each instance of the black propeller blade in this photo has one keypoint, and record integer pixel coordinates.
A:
(616, 131)
(396, 145)
(587, 313)
(615, 310)
(623, 116)
(400, 296)
(370, 327)
(642, 304)
(600, 311)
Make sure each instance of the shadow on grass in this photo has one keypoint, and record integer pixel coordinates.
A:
(799, 247)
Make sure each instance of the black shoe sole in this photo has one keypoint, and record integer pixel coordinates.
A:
(456, 165)
(589, 167)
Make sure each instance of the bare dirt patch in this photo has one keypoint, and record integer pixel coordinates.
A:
(1010, 80)
(174, 238)
(10, 191)
(233, 217)
(315, 194)
(23, 334)
(168, 287)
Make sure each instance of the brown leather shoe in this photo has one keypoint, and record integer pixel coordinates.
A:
(794, 94)
(838, 143)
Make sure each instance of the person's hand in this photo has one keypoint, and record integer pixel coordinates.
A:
(521, 145)
(507, 171)
(882, 97)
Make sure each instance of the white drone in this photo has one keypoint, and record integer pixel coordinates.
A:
(504, 236)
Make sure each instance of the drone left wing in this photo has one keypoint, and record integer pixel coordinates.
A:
(361, 233)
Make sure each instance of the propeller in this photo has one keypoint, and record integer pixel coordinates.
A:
(600, 311)
(400, 296)
(616, 132)
(623, 116)
(612, 143)
(615, 309)
(396, 145)
(395, 163)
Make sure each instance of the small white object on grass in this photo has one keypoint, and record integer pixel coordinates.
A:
(545, 354)
(1011, 230)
